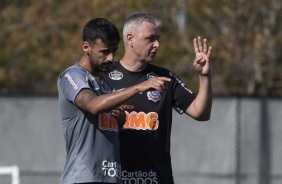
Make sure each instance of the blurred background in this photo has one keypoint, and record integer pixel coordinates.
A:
(239, 145)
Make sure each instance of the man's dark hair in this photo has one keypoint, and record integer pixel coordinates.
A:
(103, 29)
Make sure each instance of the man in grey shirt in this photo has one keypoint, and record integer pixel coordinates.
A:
(91, 115)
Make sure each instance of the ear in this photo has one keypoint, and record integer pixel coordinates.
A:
(129, 38)
(86, 47)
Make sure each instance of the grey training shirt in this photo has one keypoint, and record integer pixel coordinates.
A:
(91, 140)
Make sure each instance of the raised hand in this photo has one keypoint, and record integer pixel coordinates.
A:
(202, 52)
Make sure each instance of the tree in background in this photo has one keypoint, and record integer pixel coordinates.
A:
(39, 39)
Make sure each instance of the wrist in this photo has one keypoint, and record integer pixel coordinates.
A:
(204, 75)
(137, 89)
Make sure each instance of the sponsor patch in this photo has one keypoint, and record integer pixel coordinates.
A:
(107, 122)
(141, 121)
(180, 82)
(115, 75)
(67, 75)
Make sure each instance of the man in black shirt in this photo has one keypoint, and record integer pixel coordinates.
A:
(145, 137)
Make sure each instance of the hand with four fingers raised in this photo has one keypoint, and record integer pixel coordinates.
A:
(203, 52)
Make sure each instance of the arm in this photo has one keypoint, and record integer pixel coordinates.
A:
(87, 100)
(200, 108)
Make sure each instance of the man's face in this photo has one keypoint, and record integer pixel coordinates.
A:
(101, 56)
(145, 42)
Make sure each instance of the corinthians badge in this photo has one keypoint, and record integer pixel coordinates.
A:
(154, 95)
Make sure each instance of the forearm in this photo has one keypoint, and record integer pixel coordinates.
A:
(110, 101)
(200, 109)
(89, 101)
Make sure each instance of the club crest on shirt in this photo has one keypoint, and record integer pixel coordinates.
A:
(154, 95)
(115, 75)
(151, 75)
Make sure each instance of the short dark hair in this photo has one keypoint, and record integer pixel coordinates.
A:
(103, 29)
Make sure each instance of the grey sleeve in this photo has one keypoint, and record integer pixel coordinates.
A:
(71, 82)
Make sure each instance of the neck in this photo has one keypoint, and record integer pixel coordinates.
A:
(133, 65)
(85, 63)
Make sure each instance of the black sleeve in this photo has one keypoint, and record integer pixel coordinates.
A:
(182, 96)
